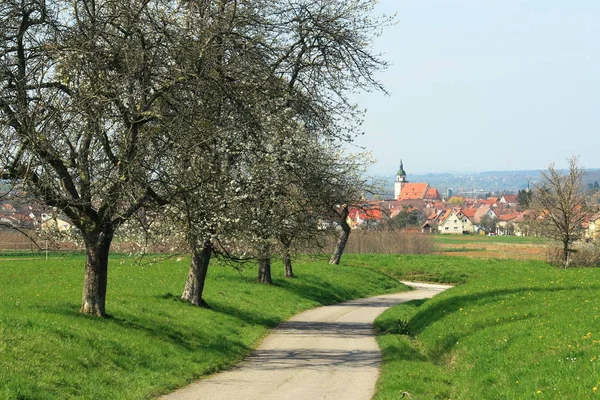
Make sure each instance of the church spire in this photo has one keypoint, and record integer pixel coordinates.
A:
(401, 170)
(400, 181)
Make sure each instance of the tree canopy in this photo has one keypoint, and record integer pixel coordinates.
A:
(224, 117)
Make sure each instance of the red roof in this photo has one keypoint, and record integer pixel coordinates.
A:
(508, 216)
(365, 213)
(432, 194)
(413, 191)
(469, 212)
(511, 198)
(445, 215)
(490, 201)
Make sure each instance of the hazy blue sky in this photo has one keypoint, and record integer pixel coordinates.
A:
(484, 85)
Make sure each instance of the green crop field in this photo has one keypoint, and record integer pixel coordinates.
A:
(152, 342)
(509, 330)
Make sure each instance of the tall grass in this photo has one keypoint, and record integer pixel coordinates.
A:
(389, 242)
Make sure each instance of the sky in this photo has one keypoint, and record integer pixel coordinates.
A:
(485, 85)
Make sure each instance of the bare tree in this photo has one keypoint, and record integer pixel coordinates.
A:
(94, 94)
(560, 202)
(82, 89)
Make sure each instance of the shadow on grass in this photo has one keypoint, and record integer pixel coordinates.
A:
(443, 308)
(311, 288)
(403, 350)
(183, 337)
(252, 318)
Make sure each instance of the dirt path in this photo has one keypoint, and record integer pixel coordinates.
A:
(325, 353)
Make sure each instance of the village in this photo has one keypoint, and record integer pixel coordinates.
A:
(416, 206)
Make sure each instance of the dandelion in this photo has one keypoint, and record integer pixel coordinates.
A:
(595, 389)
(538, 392)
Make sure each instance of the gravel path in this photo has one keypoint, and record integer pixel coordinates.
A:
(325, 353)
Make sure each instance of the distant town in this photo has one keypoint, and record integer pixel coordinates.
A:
(496, 203)
(492, 203)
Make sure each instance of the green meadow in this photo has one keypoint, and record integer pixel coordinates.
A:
(508, 330)
(152, 343)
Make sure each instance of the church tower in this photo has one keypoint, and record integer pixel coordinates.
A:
(400, 181)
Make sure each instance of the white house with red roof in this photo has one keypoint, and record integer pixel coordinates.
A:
(456, 222)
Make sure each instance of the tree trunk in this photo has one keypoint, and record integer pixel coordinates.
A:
(97, 248)
(194, 285)
(264, 264)
(566, 255)
(287, 258)
(343, 238)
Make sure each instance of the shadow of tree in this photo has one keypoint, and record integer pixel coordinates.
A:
(311, 288)
(449, 304)
(168, 331)
(439, 309)
(324, 329)
(313, 359)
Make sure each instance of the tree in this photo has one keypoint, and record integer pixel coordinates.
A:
(559, 201)
(347, 186)
(408, 217)
(524, 199)
(83, 89)
(488, 223)
(92, 96)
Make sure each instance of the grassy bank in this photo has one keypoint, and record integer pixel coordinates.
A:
(510, 330)
(152, 342)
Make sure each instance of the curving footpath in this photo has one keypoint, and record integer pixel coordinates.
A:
(326, 353)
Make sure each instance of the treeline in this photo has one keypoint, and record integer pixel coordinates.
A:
(217, 125)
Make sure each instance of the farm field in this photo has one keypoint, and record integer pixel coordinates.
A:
(510, 329)
(152, 342)
(502, 247)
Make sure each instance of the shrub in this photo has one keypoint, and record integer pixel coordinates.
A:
(389, 242)
(583, 255)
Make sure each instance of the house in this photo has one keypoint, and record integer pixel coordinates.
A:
(54, 223)
(365, 215)
(456, 222)
(482, 211)
(506, 223)
(593, 229)
(433, 221)
(511, 200)
(491, 201)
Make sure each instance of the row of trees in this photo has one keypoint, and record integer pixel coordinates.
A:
(219, 123)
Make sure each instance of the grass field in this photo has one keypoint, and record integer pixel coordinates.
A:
(502, 247)
(509, 330)
(454, 239)
(152, 342)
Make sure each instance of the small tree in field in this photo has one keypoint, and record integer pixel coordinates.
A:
(559, 201)
(488, 223)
